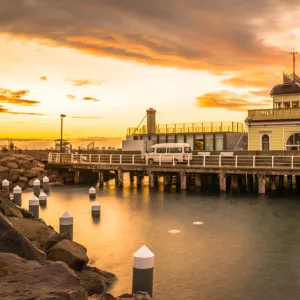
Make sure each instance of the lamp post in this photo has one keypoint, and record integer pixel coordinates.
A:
(61, 131)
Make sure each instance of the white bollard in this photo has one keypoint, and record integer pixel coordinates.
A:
(96, 209)
(43, 199)
(5, 186)
(36, 187)
(92, 193)
(66, 224)
(46, 184)
(17, 194)
(34, 206)
(143, 264)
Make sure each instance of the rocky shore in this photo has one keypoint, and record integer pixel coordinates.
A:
(22, 170)
(36, 262)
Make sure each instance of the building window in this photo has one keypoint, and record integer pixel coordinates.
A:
(265, 142)
(162, 139)
(209, 142)
(219, 142)
(293, 142)
(171, 138)
(135, 137)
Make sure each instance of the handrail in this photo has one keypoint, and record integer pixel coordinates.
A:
(190, 161)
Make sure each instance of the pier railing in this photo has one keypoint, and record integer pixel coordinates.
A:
(217, 161)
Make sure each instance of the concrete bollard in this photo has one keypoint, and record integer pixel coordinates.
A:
(17, 194)
(43, 199)
(5, 186)
(96, 209)
(143, 264)
(66, 224)
(92, 193)
(36, 187)
(34, 206)
(46, 184)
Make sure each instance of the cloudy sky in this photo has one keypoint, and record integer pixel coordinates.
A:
(104, 62)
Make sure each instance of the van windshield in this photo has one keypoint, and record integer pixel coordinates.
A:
(150, 150)
(187, 150)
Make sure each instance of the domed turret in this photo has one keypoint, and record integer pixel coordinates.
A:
(286, 88)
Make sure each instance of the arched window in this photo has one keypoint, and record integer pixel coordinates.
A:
(293, 142)
(265, 142)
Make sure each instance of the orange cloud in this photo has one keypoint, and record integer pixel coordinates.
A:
(43, 78)
(230, 101)
(15, 97)
(4, 110)
(84, 82)
(90, 99)
(72, 97)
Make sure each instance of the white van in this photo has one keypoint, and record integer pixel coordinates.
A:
(166, 153)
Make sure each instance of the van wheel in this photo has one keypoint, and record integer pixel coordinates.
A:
(150, 161)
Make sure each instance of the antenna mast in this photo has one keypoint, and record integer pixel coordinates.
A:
(294, 65)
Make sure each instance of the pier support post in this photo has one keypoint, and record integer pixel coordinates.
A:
(116, 177)
(96, 209)
(273, 183)
(92, 193)
(290, 182)
(261, 184)
(222, 180)
(34, 206)
(101, 178)
(143, 265)
(139, 180)
(43, 199)
(46, 184)
(151, 179)
(281, 182)
(77, 177)
(17, 194)
(106, 176)
(250, 183)
(66, 224)
(131, 177)
(121, 178)
(155, 180)
(5, 186)
(36, 188)
(234, 184)
(183, 181)
(198, 180)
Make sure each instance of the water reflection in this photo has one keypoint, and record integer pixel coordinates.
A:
(242, 248)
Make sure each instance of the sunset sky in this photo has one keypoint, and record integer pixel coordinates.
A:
(104, 62)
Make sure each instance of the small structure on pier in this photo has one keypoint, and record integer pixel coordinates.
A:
(203, 136)
(66, 146)
(277, 128)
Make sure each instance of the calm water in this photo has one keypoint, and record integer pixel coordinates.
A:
(247, 248)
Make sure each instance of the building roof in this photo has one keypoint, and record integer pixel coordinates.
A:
(286, 88)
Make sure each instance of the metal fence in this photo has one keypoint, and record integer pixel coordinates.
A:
(217, 161)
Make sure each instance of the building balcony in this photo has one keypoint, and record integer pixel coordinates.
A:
(273, 114)
(205, 127)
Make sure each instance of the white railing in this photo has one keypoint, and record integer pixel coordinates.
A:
(216, 161)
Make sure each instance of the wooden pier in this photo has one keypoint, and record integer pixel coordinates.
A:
(242, 170)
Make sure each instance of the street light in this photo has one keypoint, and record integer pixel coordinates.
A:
(61, 131)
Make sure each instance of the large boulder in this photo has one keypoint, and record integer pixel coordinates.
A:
(12, 241)
(94, 280)
(35, 231)
(31, 173)
(38, 169)
(4, 169)
(13, 178)
(12, 165)
(8, 208)
(23, 185)
(23, 179)
(22, 279)
(71, 253)
(25, 164)
(18, 172)
(135, 296)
